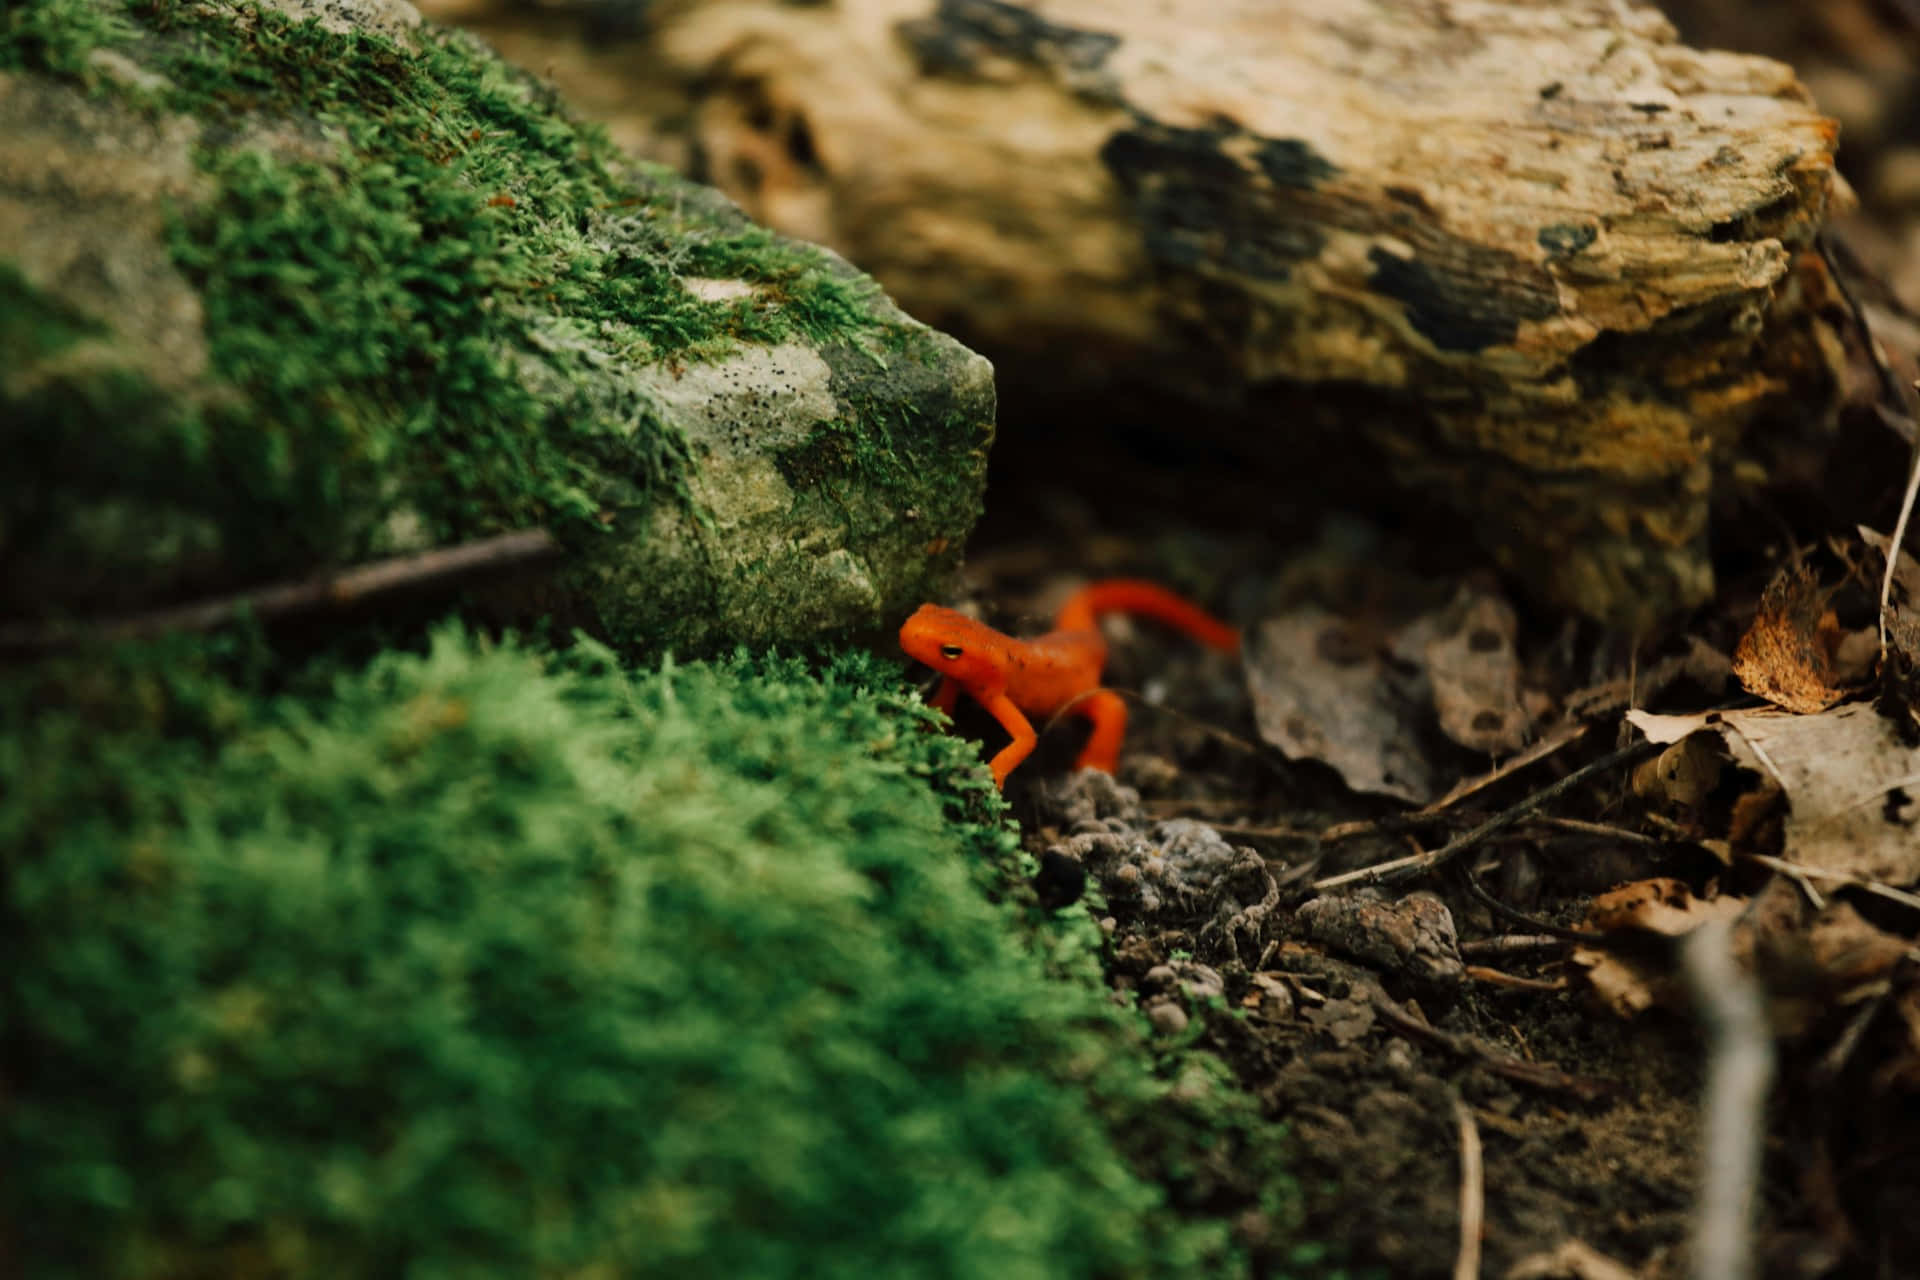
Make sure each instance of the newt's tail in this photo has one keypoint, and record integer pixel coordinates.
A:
(1131, 595)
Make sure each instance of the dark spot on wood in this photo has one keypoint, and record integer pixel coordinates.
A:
(1649, 108)
(1896, 801)
(1762, 223)
(1564, 239)
(800, 146)
(1289, 162)
(1548, 92)
(1460, 306)
(1488, 721)
(1408, 196)
(1485, 640)
(962, 35)
(1198, 205)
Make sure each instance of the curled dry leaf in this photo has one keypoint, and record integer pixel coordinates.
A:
(1787, 654)
(1851, 783)
(1682, 776)
(1631, 984)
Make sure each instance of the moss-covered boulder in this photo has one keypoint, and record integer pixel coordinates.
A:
(284, 288)
(486, 962)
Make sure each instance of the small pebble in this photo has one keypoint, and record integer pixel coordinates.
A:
(1168, 1018)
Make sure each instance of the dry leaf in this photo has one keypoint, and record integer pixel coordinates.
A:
(1902, 622)
(1574, 1260)
(1356, 697)
(1683, 775)
(1849, 952)
(1787, 654)
(1475, 672)
(1662, 905)
(1852, 784)
(1323, 690)
(1631, 984)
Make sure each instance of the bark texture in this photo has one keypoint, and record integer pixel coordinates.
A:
(1565, 251)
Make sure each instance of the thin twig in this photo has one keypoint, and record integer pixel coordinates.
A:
(1419, 864)
(1473, 1195)
(1534, 1074)
(1895, 400)
(1399, 823)
(328, 591)
(1799, 871)
(1739, 1073)
(1582, 827)
(1513, 944)
(1565, 734)
(1519, 917)
(1499, 978)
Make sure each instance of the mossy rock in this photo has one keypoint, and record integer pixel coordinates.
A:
(485, 961)
(289, 288)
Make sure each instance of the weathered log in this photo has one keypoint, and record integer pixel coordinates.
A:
(1566, 254)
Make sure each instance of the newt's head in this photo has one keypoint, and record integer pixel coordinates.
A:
(955, 645)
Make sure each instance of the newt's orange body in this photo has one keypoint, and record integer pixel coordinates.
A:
(1050, 674)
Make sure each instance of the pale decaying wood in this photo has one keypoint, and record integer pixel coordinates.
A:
(1566, 252)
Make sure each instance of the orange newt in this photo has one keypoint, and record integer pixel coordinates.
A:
(1050, 674)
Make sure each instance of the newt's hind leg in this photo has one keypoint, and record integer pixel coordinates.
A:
(1108, 714)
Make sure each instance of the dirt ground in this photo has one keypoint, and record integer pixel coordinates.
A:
(1588, 1123)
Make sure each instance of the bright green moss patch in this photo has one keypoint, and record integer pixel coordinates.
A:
(57, 35)
(484, 962)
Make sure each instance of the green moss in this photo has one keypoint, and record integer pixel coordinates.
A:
(34, 326)
(480, 961)
(411, 309)
(57, 35)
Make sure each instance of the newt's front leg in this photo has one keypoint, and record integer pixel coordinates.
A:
(1015, 722)
(945, 695)
(1107, 712)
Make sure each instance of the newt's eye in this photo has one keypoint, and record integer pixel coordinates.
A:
(951, 652)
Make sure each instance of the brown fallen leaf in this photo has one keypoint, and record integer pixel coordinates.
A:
(1356, 694)
(1850, 953)
(1787, 654)
(1574, 1260)
(1475, 671)
(1902, 621)
(1630, 984)
(1323, 689)
(1850, 781)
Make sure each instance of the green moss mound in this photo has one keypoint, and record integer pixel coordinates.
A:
(484, 962)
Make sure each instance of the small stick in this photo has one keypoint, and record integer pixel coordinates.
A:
(1497, 978)
(333, 590)
(1601, 829)
(1418, 864)
(1513, 764)
(1801, 872)
(1739, 1073)
(1584, 1088)
(1897, 409)
(1400, 822)
(1473, 1195)
(1512, 944)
